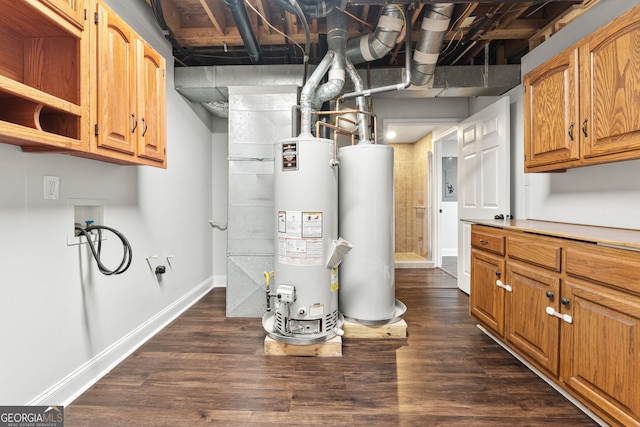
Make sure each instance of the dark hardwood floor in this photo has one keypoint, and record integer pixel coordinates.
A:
(205, 369)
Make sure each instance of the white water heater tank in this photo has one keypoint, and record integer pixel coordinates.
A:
(367, 274)
(304, 288)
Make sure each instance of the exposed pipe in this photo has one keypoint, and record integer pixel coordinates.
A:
(378, 43)
(407, 69)
(336, 42)
(308, 92)
(240, 16)
(361, 103)
(435, 25)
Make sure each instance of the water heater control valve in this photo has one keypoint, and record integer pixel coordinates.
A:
(286, 293)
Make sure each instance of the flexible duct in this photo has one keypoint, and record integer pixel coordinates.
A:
(308, 92)
(337, 43)
(378, 43)
(435, 25)
(313, 94)
(361, 103)
(240, 16)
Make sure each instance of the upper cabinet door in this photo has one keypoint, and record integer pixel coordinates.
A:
(117, 114)
(151, 103)
(73, 10)
(551, 112)
(610, 66)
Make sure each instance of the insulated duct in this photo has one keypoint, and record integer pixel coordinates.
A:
(239, 13)
(313, 94)
(336, 42)
(435, 25)
(378, 43)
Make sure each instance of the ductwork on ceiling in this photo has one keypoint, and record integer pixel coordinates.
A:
(435, 25)
(427, 79)
(380, 41)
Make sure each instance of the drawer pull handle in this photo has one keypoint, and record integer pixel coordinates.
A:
(484, 242)
(564, 317)
(503, 286)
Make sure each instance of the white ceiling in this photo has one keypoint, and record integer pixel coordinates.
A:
(407, 130)
(408, 133)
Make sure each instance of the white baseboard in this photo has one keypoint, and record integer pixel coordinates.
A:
(73, 385)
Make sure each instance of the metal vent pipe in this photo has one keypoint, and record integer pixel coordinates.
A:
(239, 13)
(313, 94)
(378, 43)
(435, 25)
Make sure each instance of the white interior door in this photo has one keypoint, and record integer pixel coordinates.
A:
(483, 176)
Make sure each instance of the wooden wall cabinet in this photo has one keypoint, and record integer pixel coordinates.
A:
(571, 309)
(130, 119)
(73, 10)
(67, 82)
(43, 83)
(581, 106)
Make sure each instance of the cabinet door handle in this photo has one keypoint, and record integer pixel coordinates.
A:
(549, 294)
(144, 126)
(134, 122)
(565, 317)
(584, 127)
(570, 132)
(503, 286)
(564, 301)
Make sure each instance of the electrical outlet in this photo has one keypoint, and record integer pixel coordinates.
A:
(51, 188)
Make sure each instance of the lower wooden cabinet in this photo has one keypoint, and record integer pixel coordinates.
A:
(601, 349)
(530, 328)
(570, 308)
(487, 299)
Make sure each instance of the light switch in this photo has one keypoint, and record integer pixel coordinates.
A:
(51, 189)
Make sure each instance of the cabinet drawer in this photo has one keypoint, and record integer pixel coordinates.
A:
(615, 267)
(487, 242)
(528, 250)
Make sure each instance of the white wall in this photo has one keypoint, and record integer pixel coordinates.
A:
(64, 323)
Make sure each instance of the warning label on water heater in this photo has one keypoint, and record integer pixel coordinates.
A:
(300, 238)
(290, 156)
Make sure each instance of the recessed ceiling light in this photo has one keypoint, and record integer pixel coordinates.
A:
(391, 135)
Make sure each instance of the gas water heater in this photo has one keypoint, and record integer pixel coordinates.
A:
(302, 298)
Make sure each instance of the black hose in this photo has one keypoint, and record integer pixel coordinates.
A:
(127, 254)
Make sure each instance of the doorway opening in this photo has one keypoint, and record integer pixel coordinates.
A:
(411, 194)
(445, 200)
